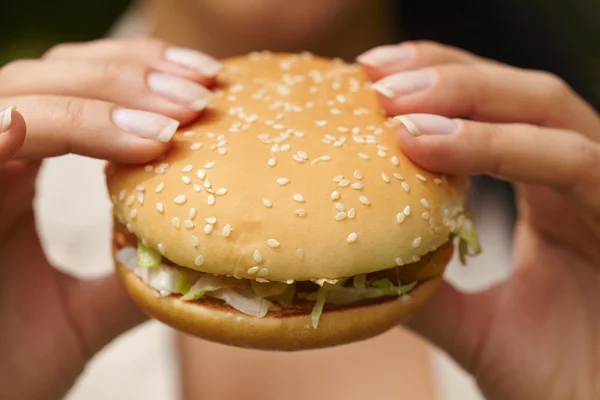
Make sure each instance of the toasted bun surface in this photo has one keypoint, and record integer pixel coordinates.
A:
(289, 145)
(216, 322)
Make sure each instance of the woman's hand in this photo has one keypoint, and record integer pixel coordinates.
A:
(537, 335)
(114, 100)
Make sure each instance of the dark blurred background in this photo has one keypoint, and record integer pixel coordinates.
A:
(29, 27)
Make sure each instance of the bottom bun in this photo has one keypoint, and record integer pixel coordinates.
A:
(288, 333)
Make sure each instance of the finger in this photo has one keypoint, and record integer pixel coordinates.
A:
(160, 55)
(523, 153)
(388, 59)
(488, 93)
(456, 322)
(61, 125)
(130, 84)
(12, 133)
(101, 310)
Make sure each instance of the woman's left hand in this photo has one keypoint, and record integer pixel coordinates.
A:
(536, 335)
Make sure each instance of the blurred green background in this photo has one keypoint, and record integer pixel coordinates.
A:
(29, 27)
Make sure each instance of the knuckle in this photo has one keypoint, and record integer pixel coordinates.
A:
(71, 111)
(14, 66)
(57, 50)
(557, 89)
(112, 73)
(588, 155)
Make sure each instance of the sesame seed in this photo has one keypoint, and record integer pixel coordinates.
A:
(148, 168)
(257, 256)
(160, 207)
(335, 111)
(356, 186)
(211, 200)
(196, 187)
(209, 164)
(186, 179)
(207, 183)
(253, 270)
(140, 188)
(199, 260)
(352, 237)
(340, 216)
(188, 224)
(417, 242)
(344, 183)
(340, 206)
(351, 213)
(122, 194)
(363, 156)
(399, 261)
(201, 174)
(180, 199)
(421, 178)
(338, 178)
(278, 126)
(365, 200)
(405, 186)
(130, 201)
(221, 192)
(285, 147)
(283, 181)
(400, 217)
(398, 176)
(335, 195)
(303, 154)
(300, 212)
(267, 203)
(159, 171)
(437, 181)
(330, 137)
(140, 197)
(425, 203)
(133, 213)
(426, 215)
(161, 249)
(175, 222)
(227, 230)
(300, 254)
(208, 228)
(222, 151)
(406, 211)
(272, 162)
(298, 197)
(358, 174)
(263, 272)
(381, 153)
(210, 220)
(415, 258)
(194, 241)
(195, 146)
(395, 161)
(187, 168)
(321, 123)
(192, 213)
(299, 159)
(272, 243)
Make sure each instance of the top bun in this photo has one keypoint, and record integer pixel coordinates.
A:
(293, 168)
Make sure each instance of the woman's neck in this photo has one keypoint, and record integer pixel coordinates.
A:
(346, 37)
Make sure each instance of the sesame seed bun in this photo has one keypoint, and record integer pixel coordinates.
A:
(293, 173)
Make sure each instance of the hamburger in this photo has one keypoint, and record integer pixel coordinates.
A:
(286, 217)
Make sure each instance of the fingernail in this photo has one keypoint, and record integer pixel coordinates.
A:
(427, 124)
(384, 55)
(404, 83)
(145, 124)
(194, 60)
(180, 90)
(6, 120)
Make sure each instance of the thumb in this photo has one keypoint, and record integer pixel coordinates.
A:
(100, 310)
(12, 133)
(456, 322)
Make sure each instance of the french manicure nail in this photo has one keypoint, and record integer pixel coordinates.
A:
(6, 120)
(180, 90)
(145, 124)
(427, 124)
(384, 55)
(404, 83)
(194, 60)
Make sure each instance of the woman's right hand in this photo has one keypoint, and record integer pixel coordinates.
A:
(107, 98)
(115, 100)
